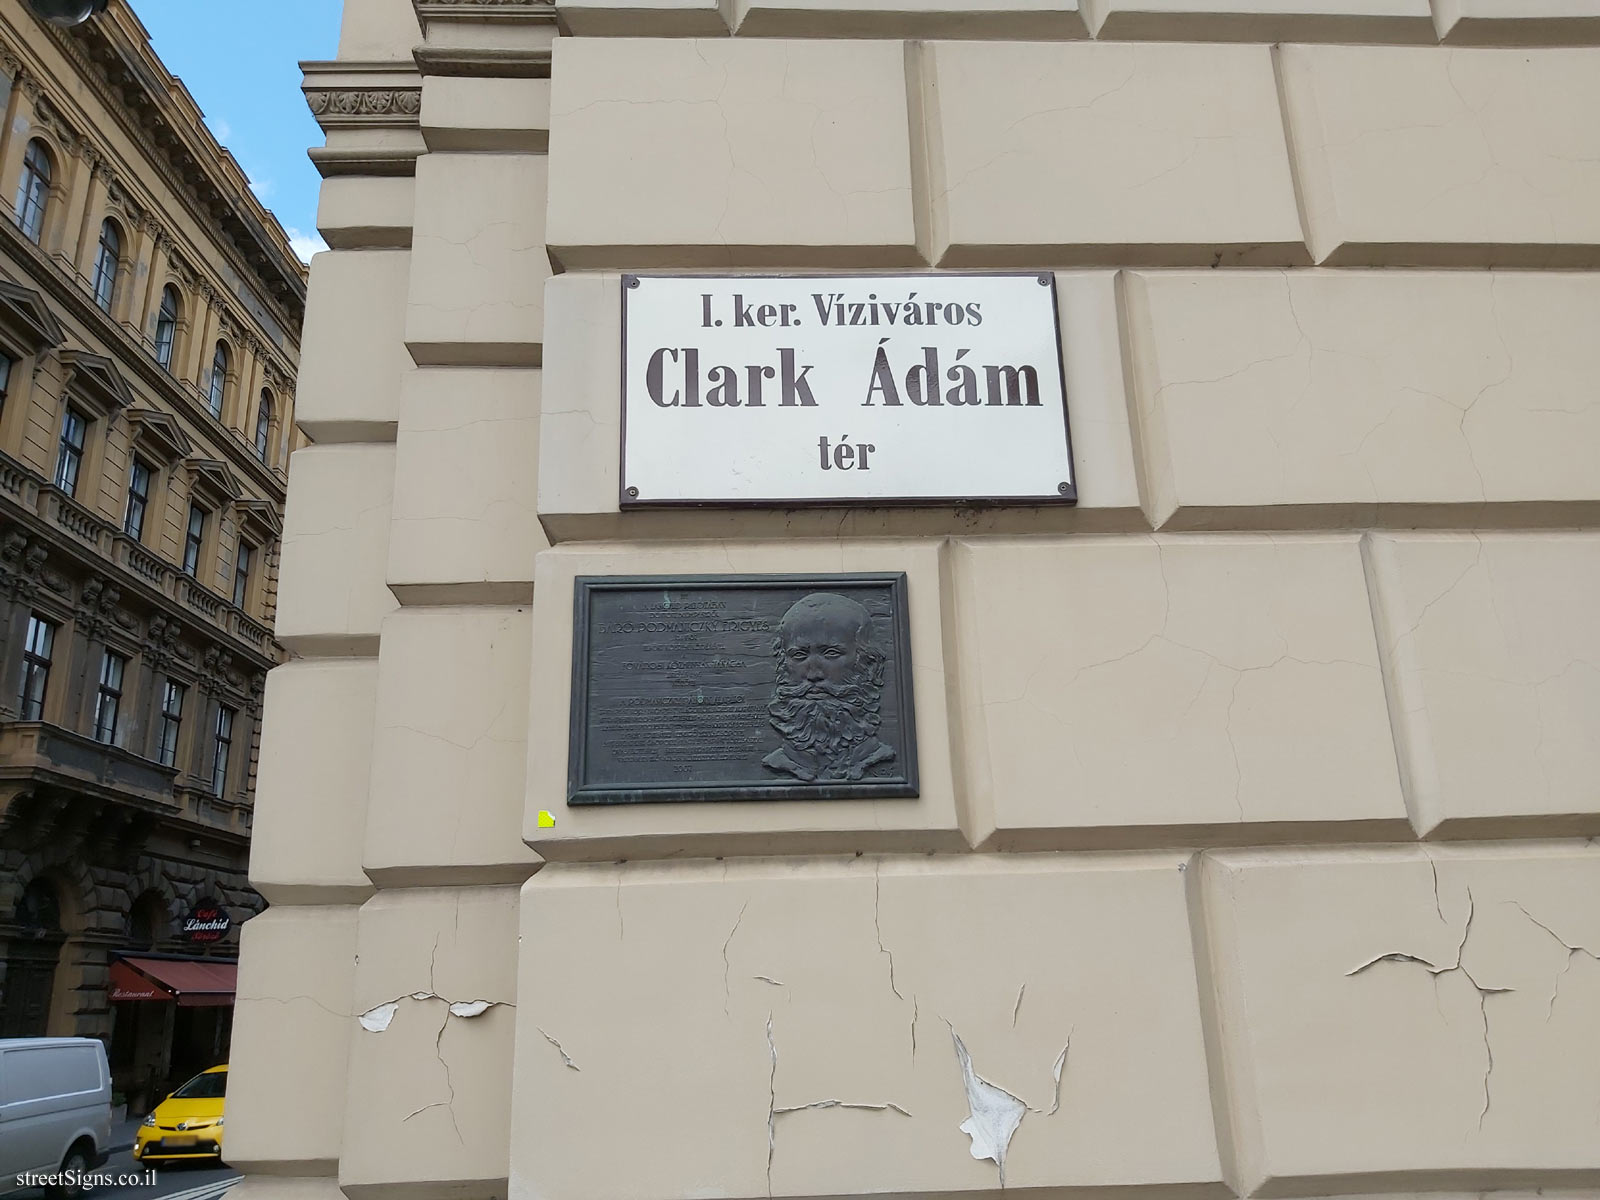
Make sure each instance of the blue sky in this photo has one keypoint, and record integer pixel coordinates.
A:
(238, 59)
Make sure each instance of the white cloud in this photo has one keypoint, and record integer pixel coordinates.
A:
(305, 244)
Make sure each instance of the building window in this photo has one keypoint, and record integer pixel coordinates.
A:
(167, 326)
(171, 722)
(219, 379)
(138, 499)
(36, 666)
(193, 540)
(241, 575)
(263, 424)
(106, 262)
(74, 427)
(33, 193)
(109, 702)
(219, 763)
(6, 363)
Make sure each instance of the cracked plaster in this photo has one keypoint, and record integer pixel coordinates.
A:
(292, 1023)
(478, 262)
(773, 1017)
(331, 593)
(352, 355)
(1100, 152)
(1358, 396)
(463, 525)
(429, 1077)
(1227, 686)
(771, 151)
(1446, 157)
(1494, 666)
(313, 768)
(1413, 1014)
(450, 747)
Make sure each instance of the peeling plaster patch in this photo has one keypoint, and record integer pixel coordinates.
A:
(770, 979)
(772, 1102)
(996, 1113)
(886, 1106)
(1017, 1007)
(376, 1020)
(1060, 1065)
(565, 1057)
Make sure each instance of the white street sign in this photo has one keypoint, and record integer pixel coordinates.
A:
(785, 390)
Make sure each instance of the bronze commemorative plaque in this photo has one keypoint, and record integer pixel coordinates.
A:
(741, 687)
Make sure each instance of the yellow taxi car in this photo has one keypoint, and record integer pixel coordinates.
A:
(187, 1124)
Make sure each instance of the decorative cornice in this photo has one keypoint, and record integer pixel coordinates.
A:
(384, 107)
(331, 163)
(164, 161)
(217, 191)
(509, 63)
(483, 10)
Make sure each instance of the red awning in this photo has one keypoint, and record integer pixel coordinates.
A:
(192, 983)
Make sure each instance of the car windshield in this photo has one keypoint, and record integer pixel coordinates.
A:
(213, 1085)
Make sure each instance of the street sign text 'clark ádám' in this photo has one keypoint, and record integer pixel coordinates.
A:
(786, 390)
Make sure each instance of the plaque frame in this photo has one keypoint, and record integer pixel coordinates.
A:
(1066, 492)
(899, 676)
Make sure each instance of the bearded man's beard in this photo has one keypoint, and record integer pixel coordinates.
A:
(823, 718)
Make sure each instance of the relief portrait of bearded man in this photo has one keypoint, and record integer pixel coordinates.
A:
(828, 691)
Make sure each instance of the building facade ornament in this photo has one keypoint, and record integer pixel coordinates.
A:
(361, 106)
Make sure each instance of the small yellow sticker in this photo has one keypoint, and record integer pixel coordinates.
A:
(547, 819)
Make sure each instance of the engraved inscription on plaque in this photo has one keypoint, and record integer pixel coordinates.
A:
(741, 687)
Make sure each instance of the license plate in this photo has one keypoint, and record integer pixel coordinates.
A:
(179, 1143)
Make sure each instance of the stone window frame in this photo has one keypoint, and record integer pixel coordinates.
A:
(168, 720)
(108, 697)
(170, 326)
(30, 203)
(222, 748)
(108, 265)
(69, 452)
(266, 419)
(218, 383)
(152, 476)
(195, 541)
(35, 665)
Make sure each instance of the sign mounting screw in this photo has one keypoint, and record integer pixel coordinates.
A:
(633, 492)
(1063, 488)
(1045, 280)
(631, 280)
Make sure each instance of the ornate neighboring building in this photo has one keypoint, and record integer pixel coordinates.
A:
(150, 310)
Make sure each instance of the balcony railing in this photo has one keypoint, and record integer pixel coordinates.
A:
(35, 748)
(110, 543)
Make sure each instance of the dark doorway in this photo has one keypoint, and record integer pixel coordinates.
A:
(31, 962)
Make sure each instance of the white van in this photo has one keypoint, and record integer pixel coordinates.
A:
(55, 1110)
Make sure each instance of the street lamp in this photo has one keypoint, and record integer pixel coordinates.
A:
(67, 12)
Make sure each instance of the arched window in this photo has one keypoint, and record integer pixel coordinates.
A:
(33, 193)
(219, 378)
(263, 424)
(167, 326)
(106, 263)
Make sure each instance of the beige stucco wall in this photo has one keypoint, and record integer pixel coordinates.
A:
(1254, 849)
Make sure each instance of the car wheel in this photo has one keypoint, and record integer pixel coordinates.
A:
(75, 1163)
